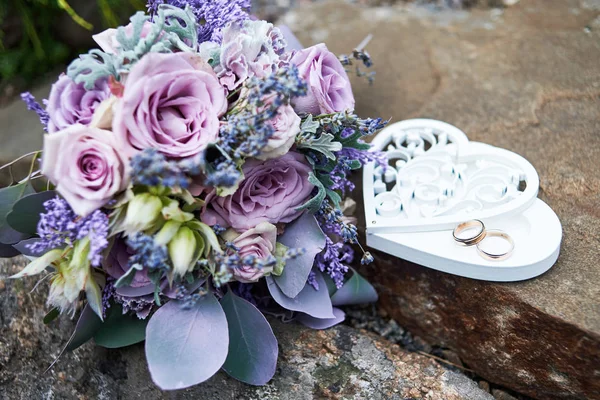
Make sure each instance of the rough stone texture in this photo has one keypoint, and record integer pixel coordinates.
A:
(340, 363)
(526, 79)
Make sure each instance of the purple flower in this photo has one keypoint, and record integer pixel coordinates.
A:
(71, 104)
(86, 165)
(212, 15)
(59, 226)
(249, 48)
(33, 105)
(171, 102)
(329, 87)
(117, 263)
(272, 191)
(257, 243)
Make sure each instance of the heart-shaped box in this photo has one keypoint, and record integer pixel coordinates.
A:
(437, 179)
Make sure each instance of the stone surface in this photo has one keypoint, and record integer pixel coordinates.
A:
(527, 79)
(340, 363)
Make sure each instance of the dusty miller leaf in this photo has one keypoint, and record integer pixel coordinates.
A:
(90, 67)
(324, 144)
(314, 203)
(309, 126)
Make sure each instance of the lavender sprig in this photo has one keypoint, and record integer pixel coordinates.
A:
(33, 105)
(59, 226)
(147, 253)
(152, 169)
(211, 15)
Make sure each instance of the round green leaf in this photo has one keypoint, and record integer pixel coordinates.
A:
(8, 197)
(26, 212)
(357, 290)
(253, 351)
(186, 346)
(120, 330)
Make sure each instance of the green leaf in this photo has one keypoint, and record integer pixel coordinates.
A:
(8, 197)
(305, 233)
(89, 68)
(25, 213)
(51, 316)
(309, 126)
(120, 330)
(186, 346)
(87, 325)
(357, 290)
(355, 142)
(334, 197)
(314, 204)
(324, 144)
(127, 277)
(252, 355)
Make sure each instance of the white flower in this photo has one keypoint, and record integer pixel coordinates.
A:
(250, 48)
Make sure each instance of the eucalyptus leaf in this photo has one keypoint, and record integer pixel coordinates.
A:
(25, 213)
(318, 323)
(127, 277)
(87, 326)
(185, 347)
(6, 251)
(8, 197)
(357, 290)
(304, 233)
(120, 330)
(253, 351)
(22, 247)
(51, 316)
(315, 303)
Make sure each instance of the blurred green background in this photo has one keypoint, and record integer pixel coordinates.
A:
(37, 36)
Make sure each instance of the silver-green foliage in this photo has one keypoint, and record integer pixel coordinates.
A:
(172, 29)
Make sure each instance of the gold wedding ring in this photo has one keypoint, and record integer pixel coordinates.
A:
(476, 237)
(488, 255)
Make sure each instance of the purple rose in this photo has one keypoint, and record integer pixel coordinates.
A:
(117, 263)
(286, 125)
(87, 166)
(259, 242)
(70, 103)
(271, 191)
(329, 88)
(171, 102)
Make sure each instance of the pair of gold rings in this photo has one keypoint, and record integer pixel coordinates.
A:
(478, 235)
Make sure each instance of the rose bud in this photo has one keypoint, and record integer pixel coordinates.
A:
(142, 212)
(182, 249)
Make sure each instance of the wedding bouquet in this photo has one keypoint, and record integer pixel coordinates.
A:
(196, 171)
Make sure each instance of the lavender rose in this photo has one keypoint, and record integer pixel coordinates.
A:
(171, 102)
(70, 103)
(86, 165)
(286, 125)
(329, 89)
(258, 242)
(117, 263)
(271, 191)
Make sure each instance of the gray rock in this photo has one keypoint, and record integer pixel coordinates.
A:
(525, 79)
(338, 363)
